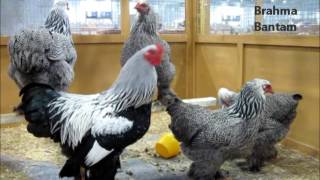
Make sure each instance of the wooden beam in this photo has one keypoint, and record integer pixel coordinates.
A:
(302, 147)
(190, 50)
(276, 40)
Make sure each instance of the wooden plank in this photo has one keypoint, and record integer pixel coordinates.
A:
(302, 147)
(276, 40)
(4, 40)
(204, 102)
(11, 118)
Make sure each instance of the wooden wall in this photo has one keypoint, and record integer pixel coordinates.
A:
(204, 64)
(96, 68)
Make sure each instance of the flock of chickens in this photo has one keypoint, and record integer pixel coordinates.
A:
(93, 130)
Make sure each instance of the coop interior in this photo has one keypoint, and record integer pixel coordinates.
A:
(214, 44)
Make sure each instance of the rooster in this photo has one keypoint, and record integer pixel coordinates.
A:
(44, 55)
(143, 33)
(278, 115)
(209, 137)
(94, 129)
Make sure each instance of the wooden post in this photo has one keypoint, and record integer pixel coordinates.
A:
(258, 18)
(204, 18)
(125, 19)
(190, 46)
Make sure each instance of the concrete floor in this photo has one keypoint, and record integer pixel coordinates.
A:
(26, 157)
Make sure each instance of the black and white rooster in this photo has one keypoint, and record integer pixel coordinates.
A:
(94, 129)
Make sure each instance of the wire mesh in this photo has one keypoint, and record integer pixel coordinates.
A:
(94, 16)
(232, 17)
(18, 14)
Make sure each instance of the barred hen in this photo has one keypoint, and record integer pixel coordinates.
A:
(44, 55)
(209, 137)
(278, 115)
(143, 33)
(94, 129)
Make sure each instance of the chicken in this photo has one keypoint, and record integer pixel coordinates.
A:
(44, 55)
(279, 113)
(94, 129)
(209, 137)
(143, 33)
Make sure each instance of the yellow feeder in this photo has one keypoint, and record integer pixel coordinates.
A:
(168, 146)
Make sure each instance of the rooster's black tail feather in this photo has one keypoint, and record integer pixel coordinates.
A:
(34, 105)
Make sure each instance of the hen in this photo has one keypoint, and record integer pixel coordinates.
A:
(209, 137)
(44, 55)
(94, 129)
(143, 33)
(279, 113)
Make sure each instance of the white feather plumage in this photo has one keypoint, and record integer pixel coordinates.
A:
(111, 125)
(95, 154)
(80, 113)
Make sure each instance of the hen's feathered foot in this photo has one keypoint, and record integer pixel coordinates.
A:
(201, 171)
(271, 154)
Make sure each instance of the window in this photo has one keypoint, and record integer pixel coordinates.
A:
(171, 14)
(86, 16)
(19, 14)
(306, 20)
(238, 16)
(232, 17)
(94, 16)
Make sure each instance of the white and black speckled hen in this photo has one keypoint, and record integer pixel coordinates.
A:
(278, 115)
(209, 137)
(143, 33)
(44, 55)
